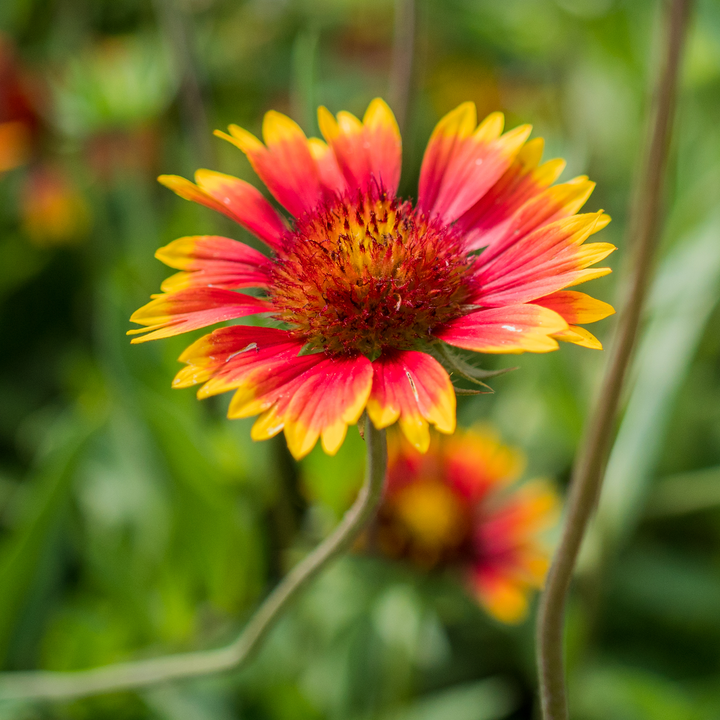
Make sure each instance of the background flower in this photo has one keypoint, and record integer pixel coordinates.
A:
(460, 507)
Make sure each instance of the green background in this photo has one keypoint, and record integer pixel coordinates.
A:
(136, 521)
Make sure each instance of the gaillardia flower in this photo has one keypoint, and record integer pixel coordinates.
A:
(362, 284)
(458, 508)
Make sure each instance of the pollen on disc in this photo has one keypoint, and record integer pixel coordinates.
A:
(370, 273)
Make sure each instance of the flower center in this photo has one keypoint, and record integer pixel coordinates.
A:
(425, 522)
(368, 275)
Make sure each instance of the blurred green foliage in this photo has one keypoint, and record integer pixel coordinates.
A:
(136, 521)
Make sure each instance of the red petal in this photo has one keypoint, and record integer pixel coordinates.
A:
(230, 357)
(462, 162)
(331, 177)
(412, 387)
(487, 221)
(367, 152)
(213, 261)
(511, 329)
(235, 198)
(284, 163)
(555, 203)
(309, 396)
(187, 310)
(543, 262)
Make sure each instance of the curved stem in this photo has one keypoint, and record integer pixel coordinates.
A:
(592, 457)
(37, 685)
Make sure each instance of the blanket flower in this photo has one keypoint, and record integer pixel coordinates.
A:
(361, 284)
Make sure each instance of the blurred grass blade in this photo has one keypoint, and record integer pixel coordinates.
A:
(21, 554)
(685, 493)
(684, 294)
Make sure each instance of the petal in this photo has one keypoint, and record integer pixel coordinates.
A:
(186, 310)
(412, 387)
(462, 163)
(331, 177)
(512, 558)
(449, 133)
(258, 392)
(367, 152)
(503, 597)
(487, 221)
(555, 203)
(233, 197)
(511, 329)
(229, 357)
(331, 397)
(15, 144)
(384, 144)
(543, 262)
(517, 520)
(579, 336)
(213, 261)
(310, 396)
(478, 462)
(576, 307)
(284, 163)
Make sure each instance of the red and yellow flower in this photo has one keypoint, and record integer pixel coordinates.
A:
(459, 507)
(19, 118)
(362, 284)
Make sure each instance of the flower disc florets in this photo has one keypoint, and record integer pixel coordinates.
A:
(370, 274)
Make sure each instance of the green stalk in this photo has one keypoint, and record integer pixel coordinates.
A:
(44, 685)
(592, 457)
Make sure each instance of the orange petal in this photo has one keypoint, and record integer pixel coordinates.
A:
(462, 164)
(235, 198)
(15, 145)
(579, 336)
(213, 261)
(510, 329)
(186, 310)
(367, 152)
(412, 387)
(576, 307)
(284, 163)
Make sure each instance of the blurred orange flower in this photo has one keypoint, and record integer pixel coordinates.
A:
(459, 506)
(52, 209)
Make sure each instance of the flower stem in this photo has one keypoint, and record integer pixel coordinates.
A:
(403, 54)
(44, 685)
(592, 456)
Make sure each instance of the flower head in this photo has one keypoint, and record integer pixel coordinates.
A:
(362, 284)
(458, 507)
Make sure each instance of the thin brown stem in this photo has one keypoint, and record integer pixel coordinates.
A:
(592, 457)
(42, 685)
(178, 32)
(403, 52)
